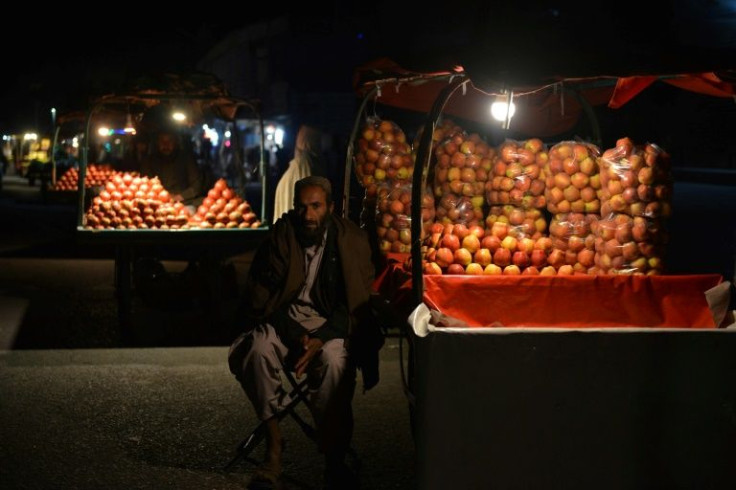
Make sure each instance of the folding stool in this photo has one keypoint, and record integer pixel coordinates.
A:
(298, 394)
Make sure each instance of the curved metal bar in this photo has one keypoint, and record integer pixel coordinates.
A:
(53, 155)
(590, 114)
(264, 173)
(83, 166)
(349, 154)
(419, 181)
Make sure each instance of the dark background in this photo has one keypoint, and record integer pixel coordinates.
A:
(60, 57)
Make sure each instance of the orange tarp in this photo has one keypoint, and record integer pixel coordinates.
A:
(578, 301)
(703, 83)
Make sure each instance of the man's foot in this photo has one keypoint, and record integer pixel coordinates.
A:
(268, 474)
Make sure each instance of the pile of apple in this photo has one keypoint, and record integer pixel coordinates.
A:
(573, 242)
(96, 175)
(572, 178)
(517, 175)
(223, 208)
(636, 180)
(629, 245)
(462, 167)
(393, 217)
(382, 153)
(131, 202)
(459, 249)
(522, 222)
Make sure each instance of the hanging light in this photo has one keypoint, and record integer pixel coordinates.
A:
(503, 108)
(129, 127)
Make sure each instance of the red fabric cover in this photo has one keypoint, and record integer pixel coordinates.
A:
(574, 301)
(541, 115)
(538, 113)
(703, 83)
(557, 301)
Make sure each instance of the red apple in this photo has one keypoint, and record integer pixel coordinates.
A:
(471, 243)
(450, 241)
(548, 271)
(483, 257)
(520, 259)
(444, 256)
(432, 268)
(502, 257)
(511, 270)
(492, 270)
(474, 269)
(456, 269)
(538, 258)
(462, 256)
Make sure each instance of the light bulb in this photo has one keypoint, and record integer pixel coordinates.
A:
(129, 128)
(501, 107)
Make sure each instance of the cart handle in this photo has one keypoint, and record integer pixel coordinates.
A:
(419, 180)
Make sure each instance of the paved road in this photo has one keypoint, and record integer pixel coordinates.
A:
(159, 418)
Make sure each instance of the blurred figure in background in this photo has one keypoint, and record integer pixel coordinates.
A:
(135, 154)
(307, 161)
(177, 169)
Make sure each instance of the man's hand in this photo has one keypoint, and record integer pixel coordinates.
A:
(311, 347)
(176, 197)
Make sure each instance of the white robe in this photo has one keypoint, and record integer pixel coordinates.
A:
(284, 199)
(306, 162)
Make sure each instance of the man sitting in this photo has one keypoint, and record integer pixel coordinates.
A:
(307, 308)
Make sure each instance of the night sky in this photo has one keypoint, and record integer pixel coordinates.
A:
(86, 59)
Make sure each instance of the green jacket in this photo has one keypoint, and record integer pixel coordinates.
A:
(342, 291)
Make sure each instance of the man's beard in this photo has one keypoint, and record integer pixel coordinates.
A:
(310, 236)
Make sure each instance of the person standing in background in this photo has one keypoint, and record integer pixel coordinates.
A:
(177, 169)
(307, 161)
(136, 153)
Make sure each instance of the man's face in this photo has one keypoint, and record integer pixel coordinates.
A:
(313, 210)
(166, 144)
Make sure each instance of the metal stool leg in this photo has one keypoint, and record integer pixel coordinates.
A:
(297, 395)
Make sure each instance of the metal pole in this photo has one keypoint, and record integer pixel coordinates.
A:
(419, 181)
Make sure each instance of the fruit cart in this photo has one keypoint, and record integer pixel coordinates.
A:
(562, 381)
(135, 214)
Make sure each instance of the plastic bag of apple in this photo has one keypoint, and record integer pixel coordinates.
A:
(393, 217)
(636, 180)
(382, 153)
(521, 222)
(517, 175)
(462, 166)
(460, 249)
(572, 178)
(629, 244)
(573, 241)
(445, 129)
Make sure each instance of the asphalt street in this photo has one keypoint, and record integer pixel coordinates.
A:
(156, 418)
